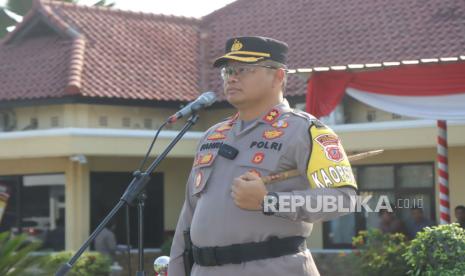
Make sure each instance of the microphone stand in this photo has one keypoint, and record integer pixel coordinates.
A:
(135, 190)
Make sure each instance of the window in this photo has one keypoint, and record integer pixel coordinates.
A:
(405, 185)
(105, 191)
(36, 206)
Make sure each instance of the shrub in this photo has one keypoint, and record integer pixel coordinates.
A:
(166, 246)
(15, 256)
(381, 254)
(90, 263)
(438, 250)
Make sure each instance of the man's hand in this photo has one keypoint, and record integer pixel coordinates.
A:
(248, 191)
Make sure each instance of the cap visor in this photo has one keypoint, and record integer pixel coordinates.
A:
(222, 60)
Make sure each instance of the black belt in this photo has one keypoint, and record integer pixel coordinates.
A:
(246, 252)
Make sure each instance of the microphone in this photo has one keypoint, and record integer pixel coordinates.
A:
(204, 100)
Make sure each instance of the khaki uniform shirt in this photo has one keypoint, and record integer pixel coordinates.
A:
(281, 140)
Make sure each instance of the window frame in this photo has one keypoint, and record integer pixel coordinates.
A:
(397, 190)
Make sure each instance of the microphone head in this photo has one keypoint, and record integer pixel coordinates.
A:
(208, 98)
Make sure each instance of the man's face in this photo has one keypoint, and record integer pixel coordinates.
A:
(460, 215)
(247, 84)
(417, 215)
(387, 217)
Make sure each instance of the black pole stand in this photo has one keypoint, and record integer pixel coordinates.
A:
(140, 222)
(134, 190)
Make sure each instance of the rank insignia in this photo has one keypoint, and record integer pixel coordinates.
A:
(257, 173)
(198, 179)
(224, 127)
(258, 158)
(271, 116)
(280, 124)
(216, 136)
(272, 134)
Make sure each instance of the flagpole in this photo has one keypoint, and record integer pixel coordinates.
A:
(443, 173)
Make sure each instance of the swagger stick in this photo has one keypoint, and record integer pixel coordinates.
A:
(293, 173)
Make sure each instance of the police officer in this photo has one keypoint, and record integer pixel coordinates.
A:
(231, 231)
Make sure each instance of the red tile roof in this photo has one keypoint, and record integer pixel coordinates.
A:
(108, 53)
(340, 32)
(101, 53)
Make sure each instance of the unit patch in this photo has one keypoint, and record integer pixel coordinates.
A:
(331, 145)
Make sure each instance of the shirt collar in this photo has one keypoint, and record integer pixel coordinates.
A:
(270, 116)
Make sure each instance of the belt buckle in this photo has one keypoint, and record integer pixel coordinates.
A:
(209, 256)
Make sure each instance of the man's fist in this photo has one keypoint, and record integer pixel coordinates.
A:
(248, 191)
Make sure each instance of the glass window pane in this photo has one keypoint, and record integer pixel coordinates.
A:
(416, 176)
(408, 201)
(342, 229)
(376, 177)
(372, 218)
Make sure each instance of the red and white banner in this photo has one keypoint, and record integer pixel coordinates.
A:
(421, 91)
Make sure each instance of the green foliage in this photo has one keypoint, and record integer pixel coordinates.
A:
(14, 254)
(381, 254)
(89, 264)
(166, 247)
(438, 250)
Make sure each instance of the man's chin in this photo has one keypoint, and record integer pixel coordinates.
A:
(235, 101)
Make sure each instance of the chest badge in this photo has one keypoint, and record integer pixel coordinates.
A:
(216, 136)
(198, 179)
(272, 134)
(280, 124)
(258, 158)
(223, 128)
(204, 159)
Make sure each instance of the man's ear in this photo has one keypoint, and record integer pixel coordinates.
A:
(279, 77)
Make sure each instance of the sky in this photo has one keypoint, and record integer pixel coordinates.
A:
(190, 8)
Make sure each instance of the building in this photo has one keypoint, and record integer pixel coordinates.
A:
(83, 88)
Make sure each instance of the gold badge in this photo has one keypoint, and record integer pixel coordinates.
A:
(216, 136)
(206, 159)
(198, 179)
(271, 116)
(280, 124)
(258, 158)
(237, 45)
(224, 127)
(272, 134)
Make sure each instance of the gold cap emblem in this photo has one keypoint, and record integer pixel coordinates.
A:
(237, 45)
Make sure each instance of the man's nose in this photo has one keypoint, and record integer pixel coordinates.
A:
(233, 78)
